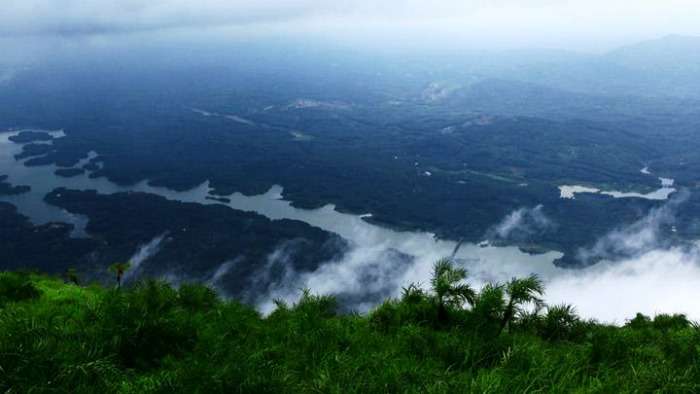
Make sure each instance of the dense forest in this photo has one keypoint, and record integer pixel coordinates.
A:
(60, 335)
(7, 189)
(481, 141)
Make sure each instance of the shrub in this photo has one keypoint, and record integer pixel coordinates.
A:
(559, 323)
(197, 297)
(666, 322)
(144, 324)
(16, 287)
(152, 338)
(639, 322)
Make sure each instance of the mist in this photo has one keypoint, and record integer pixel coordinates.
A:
(659, 281)
(448, 24)
(142, 254)
(637, 265)
(645, 273)
(522, 224)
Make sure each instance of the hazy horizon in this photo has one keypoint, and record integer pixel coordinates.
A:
(465, 119)
(580, 26)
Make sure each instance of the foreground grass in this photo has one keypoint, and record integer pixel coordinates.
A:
(151, 338)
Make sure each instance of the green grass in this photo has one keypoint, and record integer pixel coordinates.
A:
(152, 338)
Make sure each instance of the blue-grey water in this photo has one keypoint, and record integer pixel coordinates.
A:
(367, 267)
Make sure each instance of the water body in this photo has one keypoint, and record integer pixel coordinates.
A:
(369, 240)
(41, 180)
(370, 266)
(234, 118)
(570, 191)
(663, 193)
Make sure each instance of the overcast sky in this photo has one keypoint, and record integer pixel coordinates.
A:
(571, 24)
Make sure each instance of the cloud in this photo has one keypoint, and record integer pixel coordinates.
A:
(84, 17)
(360, 279)
(521, 225)
(637, 269)
(657, 281)
(639, 237)
(277, 278)
(143, 253)
(401, 19)
(640, 270)
(222, 270)
(380, 262)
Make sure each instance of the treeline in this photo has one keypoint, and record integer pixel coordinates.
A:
(62, 337)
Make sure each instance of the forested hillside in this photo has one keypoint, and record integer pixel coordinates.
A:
(58, 335)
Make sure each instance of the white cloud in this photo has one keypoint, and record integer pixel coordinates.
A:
(658, 281)
(637, 238)
(642, 274)
(521, 224)
(143, 253)
(542, 22)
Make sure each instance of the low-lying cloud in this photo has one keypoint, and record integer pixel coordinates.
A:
(640, 270)
(217, 278)
(657, 281)
(360, 279)
(142, 254)
(637, 238)
(380, 262)
(522, 224)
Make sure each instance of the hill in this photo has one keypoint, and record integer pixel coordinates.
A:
(151, 338)
(671, 53)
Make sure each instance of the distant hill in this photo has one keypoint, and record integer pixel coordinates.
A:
(670, 54)
(665, 67)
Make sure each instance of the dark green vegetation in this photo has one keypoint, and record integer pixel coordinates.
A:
(47, 247)
(196, 240)
(495, 136)
(151, 338)
(69, 172)
(29, 150)
(30, 136)
(234, 250)
(7, 189)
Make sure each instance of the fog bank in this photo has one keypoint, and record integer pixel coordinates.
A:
(574, 24)
(641, 271)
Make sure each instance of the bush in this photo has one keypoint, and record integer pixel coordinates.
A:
(196, 297)
(560, 323)
(151, 338)
(145, 324)
(639, 322)
(666, 322)
(16, 287)
(414, 308)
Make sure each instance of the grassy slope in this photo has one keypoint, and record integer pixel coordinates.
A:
(152, 338)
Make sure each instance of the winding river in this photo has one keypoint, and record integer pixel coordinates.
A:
(487, 262)
(368, 267)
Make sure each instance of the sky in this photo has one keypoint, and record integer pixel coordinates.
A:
(584, 25)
